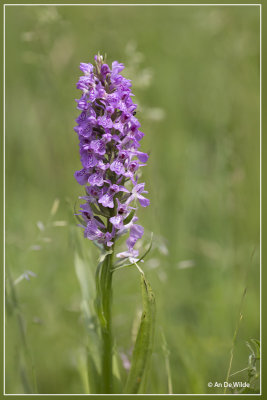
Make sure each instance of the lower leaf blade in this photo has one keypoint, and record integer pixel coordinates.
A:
(144, 342)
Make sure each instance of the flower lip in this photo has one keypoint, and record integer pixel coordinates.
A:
(86, 68)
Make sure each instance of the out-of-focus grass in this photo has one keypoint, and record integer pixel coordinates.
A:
(203, 180)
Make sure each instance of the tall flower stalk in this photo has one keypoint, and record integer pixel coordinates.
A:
(109, 140)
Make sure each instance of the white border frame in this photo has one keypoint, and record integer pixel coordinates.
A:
(4, 93)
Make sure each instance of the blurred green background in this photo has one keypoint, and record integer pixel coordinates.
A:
(195, 73)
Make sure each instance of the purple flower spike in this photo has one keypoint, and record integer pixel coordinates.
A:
(109, 137)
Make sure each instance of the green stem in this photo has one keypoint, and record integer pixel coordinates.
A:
(106, 330)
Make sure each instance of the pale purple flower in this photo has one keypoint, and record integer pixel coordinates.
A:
(92, 231)
(132, 255)
(123, 210)
(86, 68)
(136, 194)
(82, 176)
(136, 232)
(107, 199)
(93, 194)
(97, 177)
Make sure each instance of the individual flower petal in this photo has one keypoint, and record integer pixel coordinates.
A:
(88, 158)
(98, 146)
(117, 67)
(87, 69)
(143, 157)
(132, 255)
(136, 194)
(143, 201)
(82, 176)
(117, 167)
(97, 178)
(105, 121)
(86, 212)
(92, 231)
(105, 70)
(117, 221)
(136, 232)
(93, 193)
(107, 199)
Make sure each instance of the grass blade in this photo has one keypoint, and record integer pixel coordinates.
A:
(143, 346)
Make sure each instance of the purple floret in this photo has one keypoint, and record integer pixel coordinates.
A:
(109, 136)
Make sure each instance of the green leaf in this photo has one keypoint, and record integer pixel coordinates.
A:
(143, 346)
(166, 353)
(129, 218)
(257, 347)
(93, 373)
(116, 368)
(97, 211)
(82, 276)
(83, 370)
